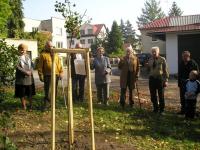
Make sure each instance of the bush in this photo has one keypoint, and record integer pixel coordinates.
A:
(118, 53)
(8, 61)
(5, 125)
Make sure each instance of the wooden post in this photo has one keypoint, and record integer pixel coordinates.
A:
(53, 94)
(90, 99)
(70, 102)
(70, 106)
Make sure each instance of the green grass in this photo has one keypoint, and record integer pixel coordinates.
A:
(141, 128)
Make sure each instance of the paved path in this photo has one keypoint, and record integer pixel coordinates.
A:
(171, 92)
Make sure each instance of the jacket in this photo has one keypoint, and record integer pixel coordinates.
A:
(185, 69)
(45, 64)
(102, 70)
(22, 78)
(160, 70)
(131, 65)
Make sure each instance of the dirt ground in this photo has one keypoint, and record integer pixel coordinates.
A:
(41, 141)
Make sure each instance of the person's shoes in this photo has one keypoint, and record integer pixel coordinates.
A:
(155, 111)
(106, 103)
(181, 113)
(122, 105)
(162, 113)
(30, 108)
(131, 105)
(99, 102)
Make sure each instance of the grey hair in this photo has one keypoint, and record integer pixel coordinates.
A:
(130, 49)
(155, 48)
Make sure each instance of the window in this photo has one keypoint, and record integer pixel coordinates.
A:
(90, 31)
(82, 32)
(72, 42)
(34, 29)
(154, 38)
(82, 41)
(90, 41)
(58, 31)
(59, 44)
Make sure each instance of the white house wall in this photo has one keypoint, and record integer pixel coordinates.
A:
(172, 52)
(58, 23)
(147, 44)
(30, 24)
(32, 45)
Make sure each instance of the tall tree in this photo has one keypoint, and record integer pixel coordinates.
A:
(150, 12)
(5, 12)
(175, 10)
(15, 23)
(115, 42)
(129, 34)
(123, 28)
(73, 19)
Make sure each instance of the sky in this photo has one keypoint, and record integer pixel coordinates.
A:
(105, 11)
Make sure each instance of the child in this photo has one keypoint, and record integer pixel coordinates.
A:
(192, 88)
(24, 83)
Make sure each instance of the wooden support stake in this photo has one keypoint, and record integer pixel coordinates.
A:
(53, 94)
(90, 99)
(70, 104)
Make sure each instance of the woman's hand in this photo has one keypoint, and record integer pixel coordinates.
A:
(29, 73)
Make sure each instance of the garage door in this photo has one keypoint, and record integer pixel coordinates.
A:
(190, 42)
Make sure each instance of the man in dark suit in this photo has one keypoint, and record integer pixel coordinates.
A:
(78, 80)
(185, 67)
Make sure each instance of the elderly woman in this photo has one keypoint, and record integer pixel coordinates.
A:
(24, 82)
(102, 67)
(129, 66)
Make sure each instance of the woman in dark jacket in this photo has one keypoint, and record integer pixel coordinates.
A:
(24, 83)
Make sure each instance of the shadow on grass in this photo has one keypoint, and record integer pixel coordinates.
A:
(13, 104)
(164, 126)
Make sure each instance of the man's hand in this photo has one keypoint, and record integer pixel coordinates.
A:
(136, 78)
(165, 84)
(61, 75)
(29, 73)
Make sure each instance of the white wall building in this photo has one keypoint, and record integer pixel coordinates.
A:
(174, 35)
(89, 33)
(53, 25)
(32, 46)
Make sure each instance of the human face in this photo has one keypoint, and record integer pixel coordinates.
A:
(155, 53)
(100, 52)
(192, 76)
(22, 51)
(186, 57)
(78, 45)
(49, 46)
(128, 52)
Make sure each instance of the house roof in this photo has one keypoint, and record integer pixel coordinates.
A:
(97, 28)
(173, 24)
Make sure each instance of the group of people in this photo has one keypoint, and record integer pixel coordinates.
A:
(128, 65)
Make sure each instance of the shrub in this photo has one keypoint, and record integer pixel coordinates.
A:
(8, 61)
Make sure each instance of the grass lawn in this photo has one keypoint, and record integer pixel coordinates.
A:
(115, 128)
